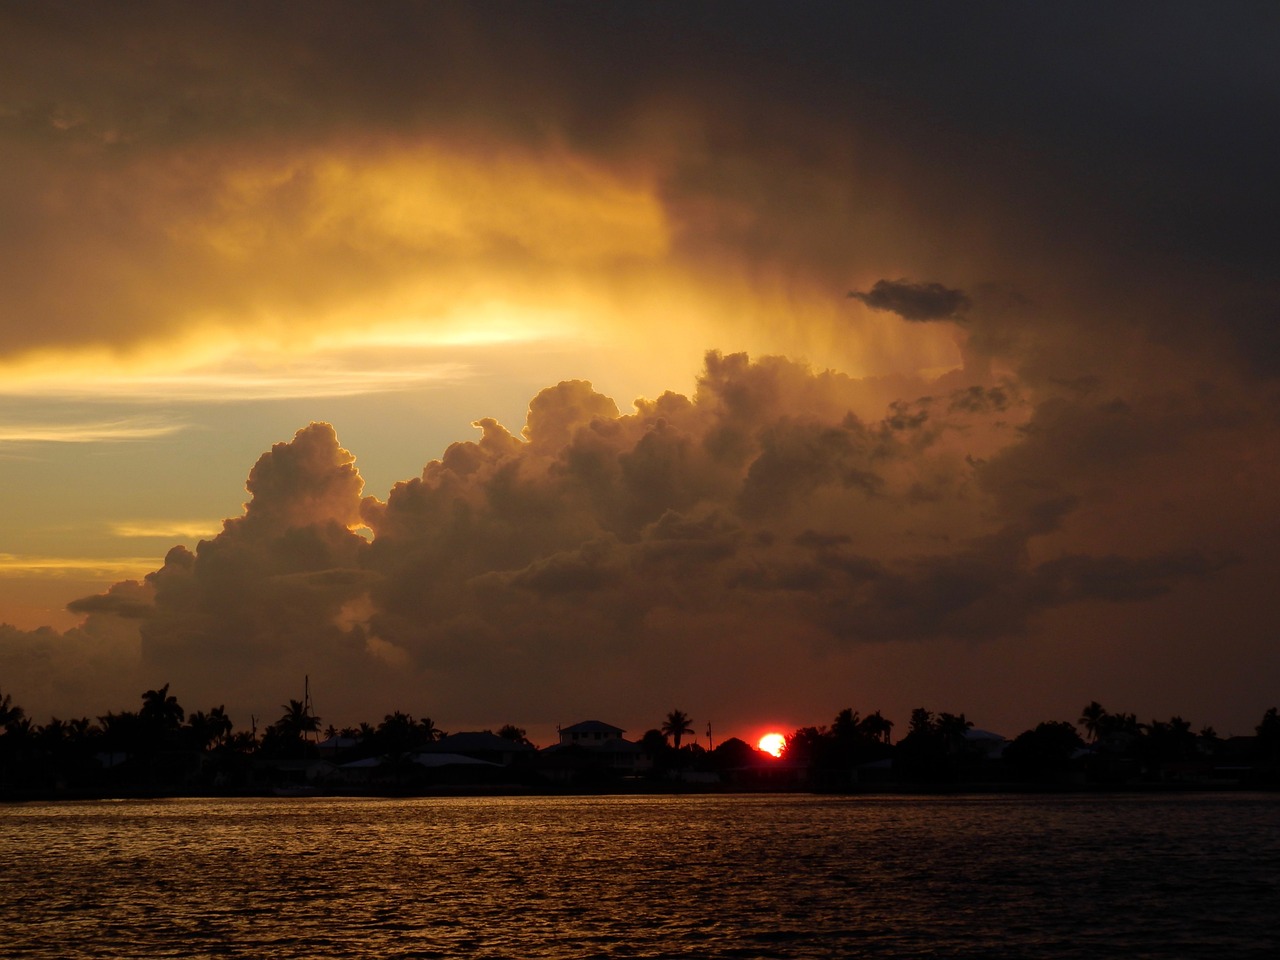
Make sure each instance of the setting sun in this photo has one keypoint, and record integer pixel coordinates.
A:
(772, 743)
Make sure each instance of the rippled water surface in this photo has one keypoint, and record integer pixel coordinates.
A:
(705, 876)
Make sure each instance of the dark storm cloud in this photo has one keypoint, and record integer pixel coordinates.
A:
(1018, 140)
(1118, 579)
(918, 301)
(980, 589)
(1074, 447)
(978, 399)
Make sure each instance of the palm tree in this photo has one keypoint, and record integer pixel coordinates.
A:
(9, 712)
(297, 721)
(876, 727)
(677, 724)
(53, 749)
(121, 732)
(952, 728)
(654, 743)
(203, 729)
(245, 742)
(922, 724)
(1268, 733)
(161, 709)
(430, 731)
(397, 733)
(81, 736)
(17, 742)
(21, 729)
(82, 728)
(1124, 723)
(218, 716)
(509, 731)
(845, 726)
(1180, 732)
(806, 745)
(54, 733)
(1092, 718)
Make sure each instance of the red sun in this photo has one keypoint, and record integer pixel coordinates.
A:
(772, 743)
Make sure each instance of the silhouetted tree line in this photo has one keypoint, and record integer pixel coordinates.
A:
(832, 754)
(943, 749)
(161, 748)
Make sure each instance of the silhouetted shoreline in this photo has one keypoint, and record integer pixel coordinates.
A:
(648, 790)
(160, 751)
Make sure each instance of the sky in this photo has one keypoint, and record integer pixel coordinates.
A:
(533, 363)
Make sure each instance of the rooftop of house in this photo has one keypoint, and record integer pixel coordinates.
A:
(593, 727)
(611, 745)
(477, 741)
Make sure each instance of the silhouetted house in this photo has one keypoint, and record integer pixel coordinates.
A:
(434, 761)
(1113, 757)
(483, 745)
(592, 750)
(336, 747)
(362, 771)
(309, 771)
(623, 756)
(1237, 761)
(875, 773)
(984, 744)
(1191, 771)
(106, 760)
(421, 770)
(1118, 743)
(590, 733)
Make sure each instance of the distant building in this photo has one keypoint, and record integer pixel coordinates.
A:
(985, 744)
(590, 733)
(308, 771)
(593, 747)
(337, 746)
(483, 745)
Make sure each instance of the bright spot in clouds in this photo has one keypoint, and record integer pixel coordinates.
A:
(772, 743)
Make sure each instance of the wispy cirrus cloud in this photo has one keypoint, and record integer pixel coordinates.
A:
(90, 431)
(166, 529)
(274, 376)
(16, 564)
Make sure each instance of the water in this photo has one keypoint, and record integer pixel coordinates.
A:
(699, 877)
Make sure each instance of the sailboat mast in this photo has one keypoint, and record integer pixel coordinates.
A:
(308, 708)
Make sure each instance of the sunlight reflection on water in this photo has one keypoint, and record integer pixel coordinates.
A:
(704, 876)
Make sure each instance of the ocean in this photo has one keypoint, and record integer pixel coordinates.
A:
(762, 876)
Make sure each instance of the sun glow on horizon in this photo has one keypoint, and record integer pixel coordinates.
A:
(772, 743)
